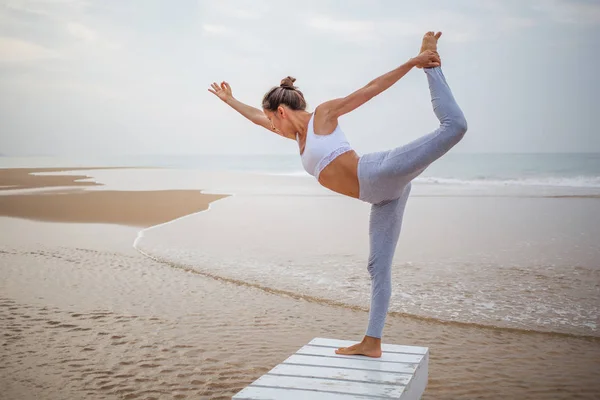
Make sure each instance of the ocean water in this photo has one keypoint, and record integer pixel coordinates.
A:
(499, 241)
(556, 170)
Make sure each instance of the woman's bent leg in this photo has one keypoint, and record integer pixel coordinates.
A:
(406, 162)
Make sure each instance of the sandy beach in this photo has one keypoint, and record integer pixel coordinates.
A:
(84, 315)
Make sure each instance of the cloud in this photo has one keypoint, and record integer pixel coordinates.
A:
(90, 36)
(347, 27)
(516, 23)
(243, 40)
(217, 30)
(237, 9)
(369, 32)
(356, 31)
(517, 14)
(570, 11)
(20, 51)
(82, 32)
(55, 8)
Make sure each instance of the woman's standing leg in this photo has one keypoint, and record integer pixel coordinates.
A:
(384, 231)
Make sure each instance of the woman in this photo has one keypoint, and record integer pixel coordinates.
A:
(382, 179)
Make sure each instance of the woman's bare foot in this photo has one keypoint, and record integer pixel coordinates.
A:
(430, 41)
(370, 347)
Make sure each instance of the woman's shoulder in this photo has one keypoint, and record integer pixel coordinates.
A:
(323, 121)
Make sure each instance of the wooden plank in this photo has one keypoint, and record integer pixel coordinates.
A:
(416, 387)
(392, 348)
(263, 393)
(330, 385)
(315, 372)
(312, 371)
(351, 363)
(385, 357)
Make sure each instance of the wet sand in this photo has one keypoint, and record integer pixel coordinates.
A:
(69, 202)
(86, 316)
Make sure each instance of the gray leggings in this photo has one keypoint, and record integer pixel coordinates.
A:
(385, 182)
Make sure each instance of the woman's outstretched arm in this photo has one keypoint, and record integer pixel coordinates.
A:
(338, 107)
(255, 115)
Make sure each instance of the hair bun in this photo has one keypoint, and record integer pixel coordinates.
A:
(288, 82)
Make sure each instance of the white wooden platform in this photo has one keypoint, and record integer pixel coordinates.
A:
(316, 372)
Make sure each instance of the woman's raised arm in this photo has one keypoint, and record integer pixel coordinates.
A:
(338, 107)
(253, 114)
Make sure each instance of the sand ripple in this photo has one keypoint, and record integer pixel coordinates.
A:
(83, 323)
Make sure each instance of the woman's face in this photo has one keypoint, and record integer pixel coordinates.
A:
(280, 122)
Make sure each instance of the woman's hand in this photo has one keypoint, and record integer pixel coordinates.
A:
(427, 59)
(223, 92)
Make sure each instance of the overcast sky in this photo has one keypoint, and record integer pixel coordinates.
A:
(131, 76)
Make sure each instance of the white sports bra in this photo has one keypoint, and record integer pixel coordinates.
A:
(320, 150)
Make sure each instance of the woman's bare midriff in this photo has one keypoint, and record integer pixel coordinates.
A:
(341, 175)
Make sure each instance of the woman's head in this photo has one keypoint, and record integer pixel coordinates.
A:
(279, 102)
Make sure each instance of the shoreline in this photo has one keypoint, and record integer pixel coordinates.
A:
(72, 201)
